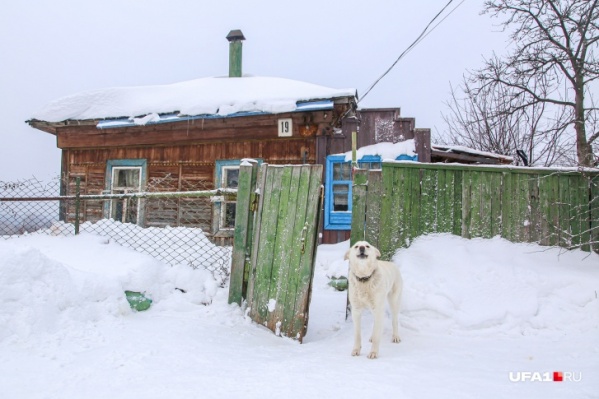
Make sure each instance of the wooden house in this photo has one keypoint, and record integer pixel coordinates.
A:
(117, 140)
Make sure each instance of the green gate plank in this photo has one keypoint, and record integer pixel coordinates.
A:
(535, 210)
(486, 216)
(428, 195)
(387, 208)
(565, 204)
(507, 194)
(548, 188)
(373, 205)
(458, 183)
(255, 250)
(415, 201)
(278, 290)
(307, 258)
(522, 219)
(265, 255)
(476, 188)
(242, 235)
(299, 234)
(466, 205)
(444, 202)
(593, 224)
(579, 207)
(396, 218)
(495, 198)
(553, 209)
(359, 188)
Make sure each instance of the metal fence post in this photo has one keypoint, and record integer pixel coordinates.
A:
(77, 203)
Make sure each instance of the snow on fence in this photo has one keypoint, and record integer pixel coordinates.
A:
(175, 236)
(554, 207)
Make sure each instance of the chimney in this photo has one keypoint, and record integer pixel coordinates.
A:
(235, 37)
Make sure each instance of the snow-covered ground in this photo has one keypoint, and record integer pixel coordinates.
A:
(476, 315)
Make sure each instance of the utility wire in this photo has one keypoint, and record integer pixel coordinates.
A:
(420, 37)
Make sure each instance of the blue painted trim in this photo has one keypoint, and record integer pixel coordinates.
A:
(405, 157)
(171, 118)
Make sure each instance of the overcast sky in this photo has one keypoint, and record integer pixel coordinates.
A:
(50, 49)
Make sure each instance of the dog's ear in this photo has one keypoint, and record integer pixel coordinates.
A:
(377, 252)
(346, 257)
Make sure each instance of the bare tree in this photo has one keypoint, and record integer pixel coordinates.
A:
(486, 119)
(554, 61)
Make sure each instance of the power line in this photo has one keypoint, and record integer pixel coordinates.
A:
(420, 37)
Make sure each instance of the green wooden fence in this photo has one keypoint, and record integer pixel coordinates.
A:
(546, 206)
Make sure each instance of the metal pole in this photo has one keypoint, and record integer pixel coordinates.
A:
(354, 145)
(77, 203)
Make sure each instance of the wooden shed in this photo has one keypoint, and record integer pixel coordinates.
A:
(121, 139)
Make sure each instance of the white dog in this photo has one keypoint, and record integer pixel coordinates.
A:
(370, 282)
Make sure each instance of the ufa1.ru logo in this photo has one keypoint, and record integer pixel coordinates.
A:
(536, 376)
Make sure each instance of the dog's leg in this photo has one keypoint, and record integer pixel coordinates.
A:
(377, 331)
(394, 301)
(357, 318)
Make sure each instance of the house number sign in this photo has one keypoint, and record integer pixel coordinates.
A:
(285, 127)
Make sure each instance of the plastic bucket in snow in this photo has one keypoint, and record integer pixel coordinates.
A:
(339, 283)
(138, 301)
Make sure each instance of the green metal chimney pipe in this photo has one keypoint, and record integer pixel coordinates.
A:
(235, 37)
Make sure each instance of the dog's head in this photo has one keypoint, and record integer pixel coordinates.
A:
(362, 250)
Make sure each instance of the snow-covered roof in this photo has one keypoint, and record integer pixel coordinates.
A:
(220, 96)
(458, 149)
(387, 151)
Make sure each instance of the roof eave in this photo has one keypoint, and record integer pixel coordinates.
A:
(51, 127)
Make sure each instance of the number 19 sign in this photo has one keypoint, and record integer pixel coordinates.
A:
(285, 127)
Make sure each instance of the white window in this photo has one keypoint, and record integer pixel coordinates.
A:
(229, 179)
(125, 176)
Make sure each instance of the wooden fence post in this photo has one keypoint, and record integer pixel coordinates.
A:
(359, 191)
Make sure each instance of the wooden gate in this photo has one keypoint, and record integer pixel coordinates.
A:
(276, 226)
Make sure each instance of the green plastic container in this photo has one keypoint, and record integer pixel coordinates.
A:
(340, 283)
(138, 301)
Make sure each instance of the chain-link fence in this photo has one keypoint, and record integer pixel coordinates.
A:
(176, 225)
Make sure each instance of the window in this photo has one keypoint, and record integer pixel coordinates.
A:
(123, 177)
(229, 179)
(226, 175)
(338, 198)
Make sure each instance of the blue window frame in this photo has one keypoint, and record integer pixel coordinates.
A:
(338, 196)
(338, 183)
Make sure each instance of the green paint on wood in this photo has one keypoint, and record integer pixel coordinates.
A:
(592, 226)
(387, 209)
(243, 233)
(359, 191)
(373, 199)
(428, 201)
(235, 59)
(284, 247)
(415, 201)
(495, 199)
(306, 267)
(551, 207)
